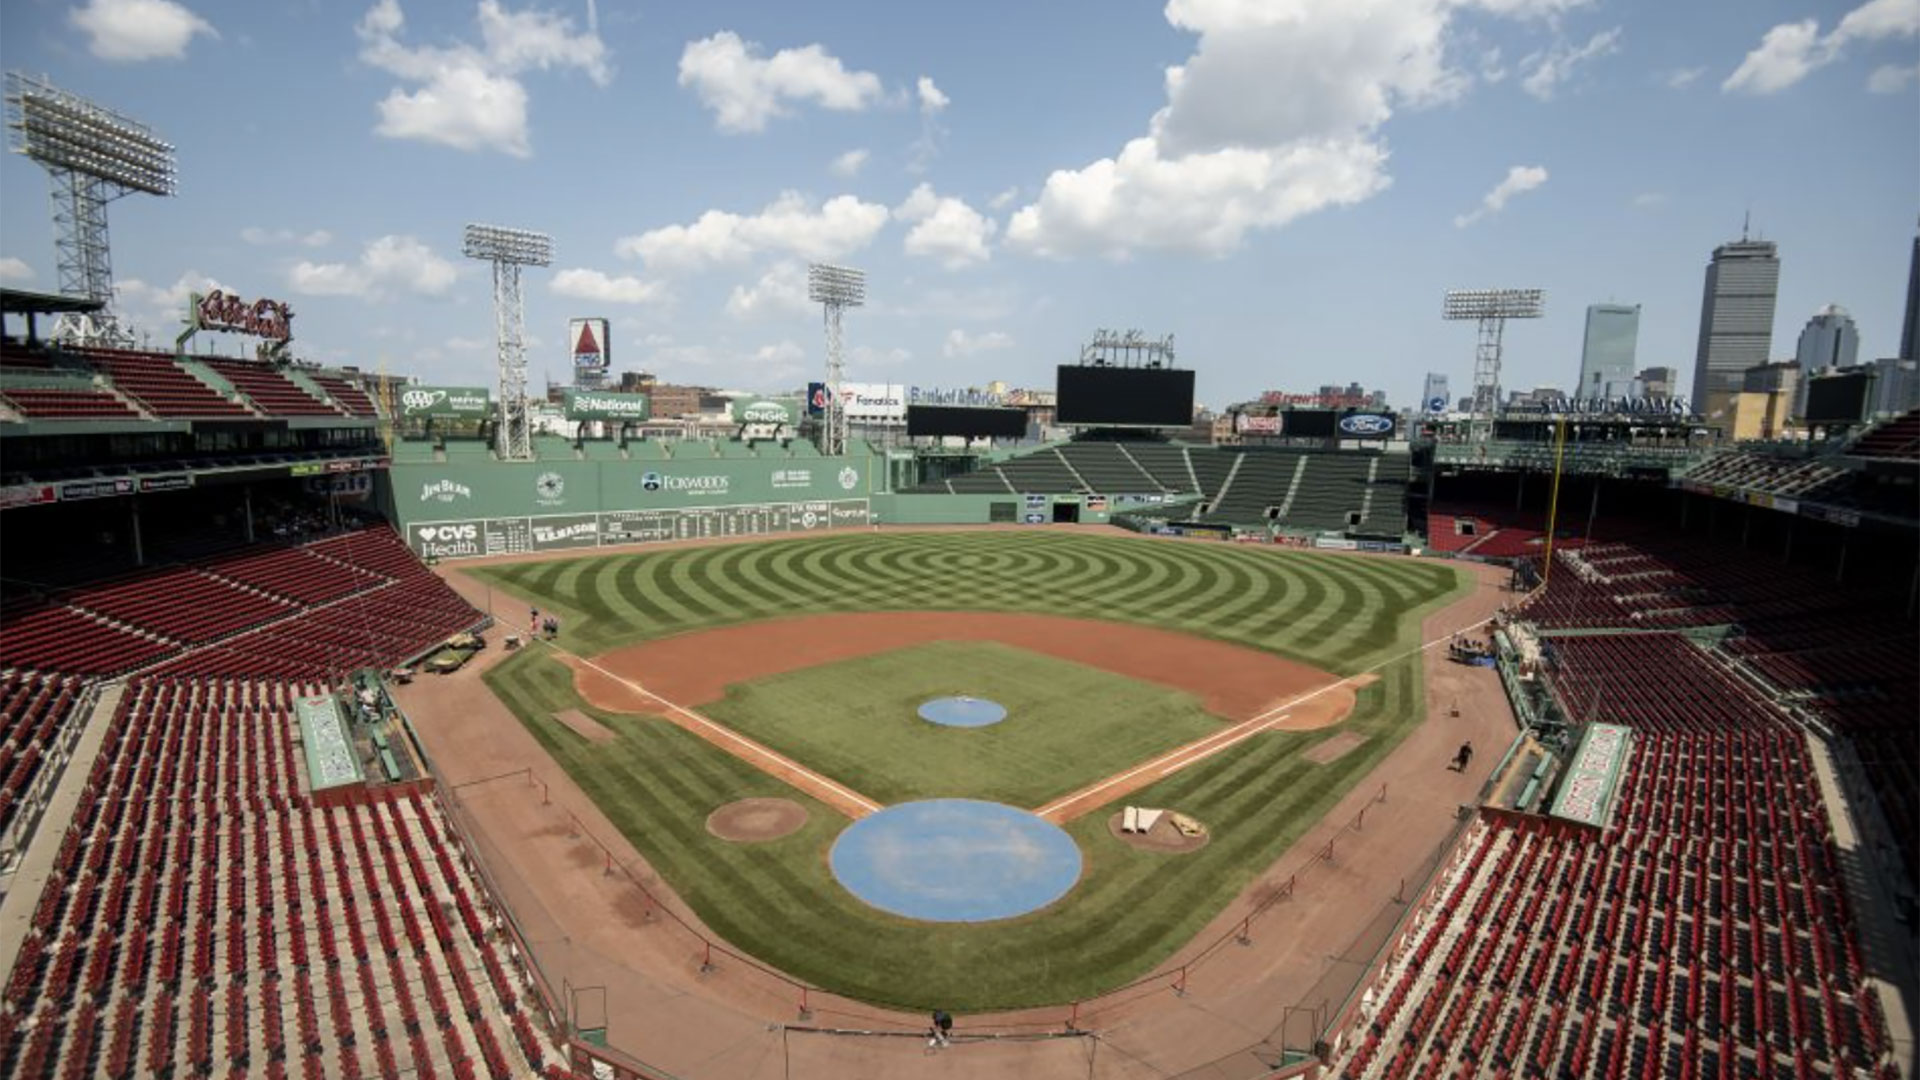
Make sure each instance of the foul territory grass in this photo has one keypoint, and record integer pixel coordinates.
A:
(1067, 724)
(1131, 909)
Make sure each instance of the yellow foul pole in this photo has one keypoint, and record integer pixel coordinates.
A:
(1553, 503)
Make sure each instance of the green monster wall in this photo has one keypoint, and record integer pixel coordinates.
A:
(472, 508)
(457, 511)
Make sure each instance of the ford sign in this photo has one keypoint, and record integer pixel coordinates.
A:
(1366, 425)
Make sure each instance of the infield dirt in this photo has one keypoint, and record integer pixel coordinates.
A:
(1234, 682)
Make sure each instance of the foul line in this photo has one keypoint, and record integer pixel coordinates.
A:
(752, 748)
(1232, 736)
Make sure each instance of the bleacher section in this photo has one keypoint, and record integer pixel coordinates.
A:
(1165, 463)
(1897, 438)
(1043, 471)
(204, 915)
(1261, 483)
(49, 403)
(34, 709)
(271, 392)
(1211, 465)
(1829, 650)
(163, 386)
(346, 394)
(1704, 934)
(255, 605)
(1107, 469)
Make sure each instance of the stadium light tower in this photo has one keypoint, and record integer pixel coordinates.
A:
(836, 288)
(509, 250)
(1491, 308)
(93, 156)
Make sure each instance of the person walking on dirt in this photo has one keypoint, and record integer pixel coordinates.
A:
(942, 1028)
(1463, 757)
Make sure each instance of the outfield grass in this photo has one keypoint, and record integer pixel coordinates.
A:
(1067, 724)
(1336, 612)
(1132, 909)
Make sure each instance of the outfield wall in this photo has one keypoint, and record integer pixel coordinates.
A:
(470, 509)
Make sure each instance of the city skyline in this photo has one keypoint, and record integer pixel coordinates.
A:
(1607, 352)
(1008, 181)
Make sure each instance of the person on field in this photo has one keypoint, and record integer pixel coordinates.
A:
(1463, 757)
(942, 1028)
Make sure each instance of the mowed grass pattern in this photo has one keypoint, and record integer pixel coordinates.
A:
(1337, 612)
(1067, 724)
(1131, 909)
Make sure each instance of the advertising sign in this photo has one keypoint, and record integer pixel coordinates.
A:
(1366, 426)
(601, 405)
(1258, 425)
(178, 482)
(884, 403)
(95, 489)
(784, 412)
(591, 346)
(25, 495)
(467, 402)
(270, 319)
(816, 399)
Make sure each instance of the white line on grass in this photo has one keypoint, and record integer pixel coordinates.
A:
(1233, 736)
(723, 731)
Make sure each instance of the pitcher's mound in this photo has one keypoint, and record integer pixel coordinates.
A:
(1163, 837)
(751, 820)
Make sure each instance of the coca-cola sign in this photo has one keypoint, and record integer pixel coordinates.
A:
(270, 319)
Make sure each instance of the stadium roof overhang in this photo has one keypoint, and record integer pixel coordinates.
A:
(23, 302)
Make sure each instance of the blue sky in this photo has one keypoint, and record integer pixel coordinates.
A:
(1288, 186)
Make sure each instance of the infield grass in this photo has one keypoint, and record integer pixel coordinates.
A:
(1131, 909)
(1067, 724)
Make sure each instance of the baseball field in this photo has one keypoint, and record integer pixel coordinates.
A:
(1189, 676)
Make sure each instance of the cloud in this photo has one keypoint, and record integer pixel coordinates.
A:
(1004, 199)
(932, 100)
(131, 30)
(596, 286)
(471, 97)
(781, 291)
(849, 163)
(164, 307)
(389, 265)
(790, 225)
(1558, 64)
(926, 147)
(1785, 55)
(945, 228)
(254, 234)
(1649, 200)
(15, 269)
(866, 357)
(1274, 116)
(959, 343)
(745, 89)
(724, 364)
(1789, 52)
(1681, 78)
(1891, 78)
(1519, 179)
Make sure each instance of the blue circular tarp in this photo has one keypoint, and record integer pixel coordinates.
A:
(956, 860)
(962, 711)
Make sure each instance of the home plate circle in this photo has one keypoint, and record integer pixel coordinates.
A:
(956, 860)
(962, 711)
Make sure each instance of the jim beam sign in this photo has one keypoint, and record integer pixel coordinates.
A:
(218, 310)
